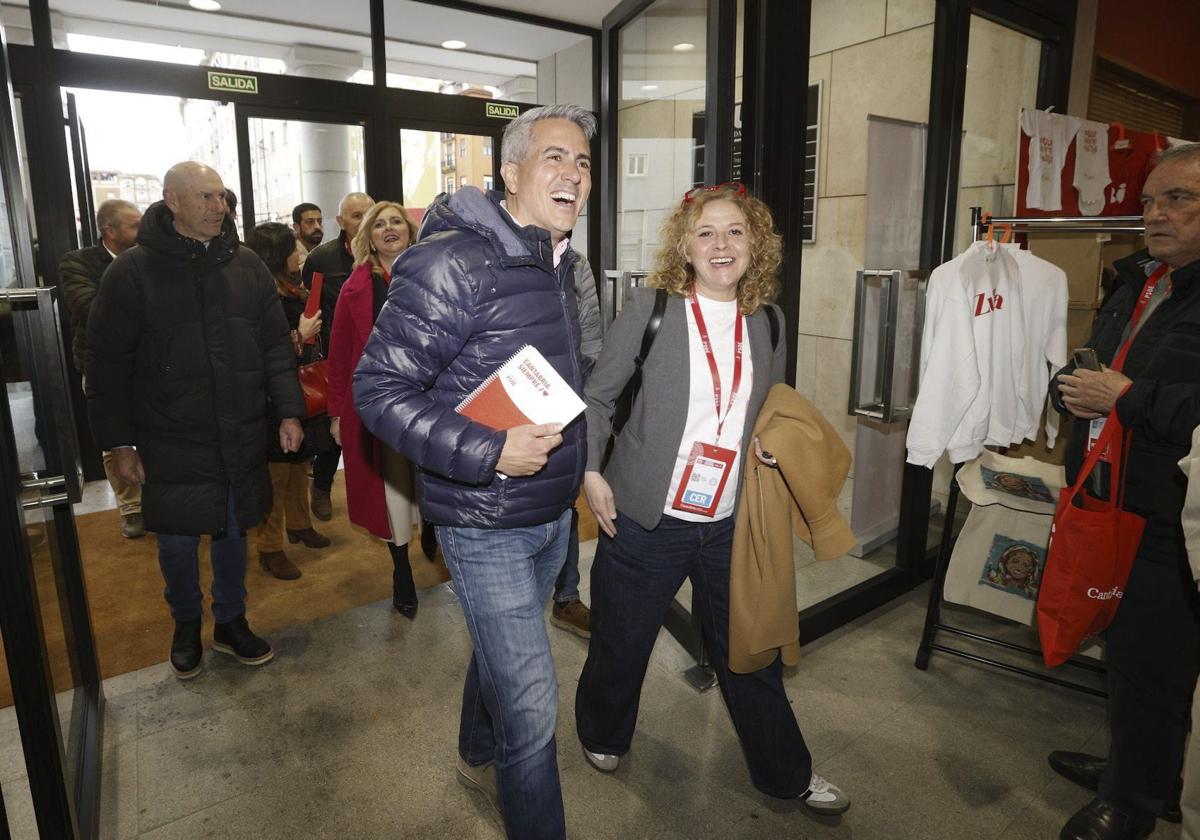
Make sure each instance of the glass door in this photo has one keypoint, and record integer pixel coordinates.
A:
(291, 158)
(51, 687)
(444, 161)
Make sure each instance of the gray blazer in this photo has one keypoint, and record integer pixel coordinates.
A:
(643, 457)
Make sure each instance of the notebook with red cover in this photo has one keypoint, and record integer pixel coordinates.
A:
(526, 389)
(314, 299)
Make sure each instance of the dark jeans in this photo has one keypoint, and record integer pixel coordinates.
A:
(634, 578)
(1152, 654)
(510, 695)
(325, 465)
(179, 559)
(566, 588)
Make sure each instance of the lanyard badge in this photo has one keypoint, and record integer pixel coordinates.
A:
(710, 464)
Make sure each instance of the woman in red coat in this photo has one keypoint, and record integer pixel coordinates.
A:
(380, 493)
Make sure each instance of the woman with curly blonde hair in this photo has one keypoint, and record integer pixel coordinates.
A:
(379, 482)
(666, 498)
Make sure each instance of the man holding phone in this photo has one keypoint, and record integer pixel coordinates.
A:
(1152, 318)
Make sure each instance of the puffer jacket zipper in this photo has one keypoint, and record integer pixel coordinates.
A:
(198, 279)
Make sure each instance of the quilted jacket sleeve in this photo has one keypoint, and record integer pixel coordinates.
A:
(427, 320)
(592, 336)
(79, 285)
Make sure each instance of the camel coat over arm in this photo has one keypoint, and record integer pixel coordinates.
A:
(799, 496)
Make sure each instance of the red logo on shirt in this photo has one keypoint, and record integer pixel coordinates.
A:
(987, 303)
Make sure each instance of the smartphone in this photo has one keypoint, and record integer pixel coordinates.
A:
(1085, 357)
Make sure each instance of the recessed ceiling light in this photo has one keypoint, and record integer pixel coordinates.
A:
(683, 47)
(453, 44)
(649, 87)
(205, 5)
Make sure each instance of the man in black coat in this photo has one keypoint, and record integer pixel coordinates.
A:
(1153, 644)
(79, 274)
(334, 260)
(186, 343)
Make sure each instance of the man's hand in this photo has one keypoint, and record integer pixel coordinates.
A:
(600, 500)
(528, 448)
(291, 435)
(127, 464)
(335, 429)
(1089, 394)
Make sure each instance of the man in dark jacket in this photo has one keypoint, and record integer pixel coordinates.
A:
(334, 260)
(1153, 643)
(186, 342)
(490, 274)
(79, 273)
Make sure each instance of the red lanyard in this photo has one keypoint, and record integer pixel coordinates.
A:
(1139, 307)
(712, 363)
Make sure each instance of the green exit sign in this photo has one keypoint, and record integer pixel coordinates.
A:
(501, 112)
(236, 82)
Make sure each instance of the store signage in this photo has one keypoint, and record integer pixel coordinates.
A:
(501, 112)
(236, 82)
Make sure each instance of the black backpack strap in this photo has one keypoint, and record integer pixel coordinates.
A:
(773, 317)
(634, 385)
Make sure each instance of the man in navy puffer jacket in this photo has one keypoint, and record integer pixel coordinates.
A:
(490, 274)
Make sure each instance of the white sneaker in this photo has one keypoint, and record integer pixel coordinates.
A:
(603, 762)
(825, 798)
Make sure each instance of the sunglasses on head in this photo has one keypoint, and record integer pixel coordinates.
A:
(735, 187)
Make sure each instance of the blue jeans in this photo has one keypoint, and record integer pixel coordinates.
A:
(634, 578)
(510, 697)
(179, 559)
(566, 588)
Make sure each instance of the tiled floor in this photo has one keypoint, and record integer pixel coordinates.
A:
(350, 734)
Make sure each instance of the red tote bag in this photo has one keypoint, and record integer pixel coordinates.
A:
(1092, 546)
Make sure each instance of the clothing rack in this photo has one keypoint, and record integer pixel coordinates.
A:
(933, 614)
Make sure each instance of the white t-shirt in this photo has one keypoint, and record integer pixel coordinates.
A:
(1049, 137)
(701, 426)
(1091, 166)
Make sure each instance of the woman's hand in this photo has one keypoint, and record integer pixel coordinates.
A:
(310, 326)
(335, 429)
(600, 500)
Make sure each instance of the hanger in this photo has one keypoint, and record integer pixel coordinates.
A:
(1122, 142)
(1160, 142)
(1005, 227)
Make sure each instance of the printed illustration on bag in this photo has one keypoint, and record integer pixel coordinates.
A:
(1015, 484)
(1014, 566)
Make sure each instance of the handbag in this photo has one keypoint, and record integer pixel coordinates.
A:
(314, 382)
(1093, 543)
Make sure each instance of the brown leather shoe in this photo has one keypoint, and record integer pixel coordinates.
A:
(278, 564)
(573, 617)
(309, 537)
(321, 506)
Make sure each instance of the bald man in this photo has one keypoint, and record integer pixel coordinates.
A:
(187, 351)
(79, 272)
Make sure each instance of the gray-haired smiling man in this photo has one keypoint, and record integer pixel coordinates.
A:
(490, 274)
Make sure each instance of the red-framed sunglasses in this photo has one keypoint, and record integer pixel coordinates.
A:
(735, 187)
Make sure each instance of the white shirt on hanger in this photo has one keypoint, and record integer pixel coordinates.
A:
(1049, 136)
(1091, 166)
(972, 355)
(1044, 297)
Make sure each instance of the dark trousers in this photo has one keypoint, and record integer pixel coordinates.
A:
(1152, 653)
(634, 578)
(324, 467)
(566, 587)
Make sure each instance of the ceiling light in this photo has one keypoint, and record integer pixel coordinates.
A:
(453, 44)
(684, 47)
(649, 87)
(205, 5)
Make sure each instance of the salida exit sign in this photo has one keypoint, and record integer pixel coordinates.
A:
(236, 82)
